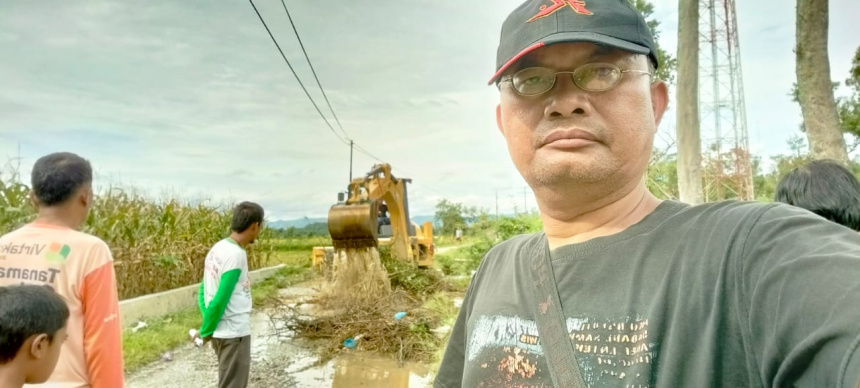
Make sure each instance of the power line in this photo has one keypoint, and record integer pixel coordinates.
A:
(365, 152)
(348, 140)
(319, 84)
(294, 73)
(296, 31)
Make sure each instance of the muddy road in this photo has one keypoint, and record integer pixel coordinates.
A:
(281, 362)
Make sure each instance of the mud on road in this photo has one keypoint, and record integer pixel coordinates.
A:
(279, 361)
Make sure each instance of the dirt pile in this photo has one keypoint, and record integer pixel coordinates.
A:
(357, 273)
(372, 302)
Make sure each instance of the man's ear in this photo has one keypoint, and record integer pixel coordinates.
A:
(39, 345)
(659, 101)
(33, 200)
(86, 196)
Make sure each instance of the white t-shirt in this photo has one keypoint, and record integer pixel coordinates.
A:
(226, 256)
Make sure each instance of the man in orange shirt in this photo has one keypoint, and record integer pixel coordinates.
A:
(79, 267)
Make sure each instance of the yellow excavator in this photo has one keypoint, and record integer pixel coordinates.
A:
(375, 211)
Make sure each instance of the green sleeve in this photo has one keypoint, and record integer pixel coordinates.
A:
(201, 299)
(212, 314)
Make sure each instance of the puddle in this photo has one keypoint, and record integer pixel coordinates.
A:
(361, 370)
(355, 371)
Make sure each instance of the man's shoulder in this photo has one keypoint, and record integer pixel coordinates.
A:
(61, 235)
(224, 243)
(748, 219)
(731, 211)
(515, 244)
(225, 247)
(90, 239)
(86, 241)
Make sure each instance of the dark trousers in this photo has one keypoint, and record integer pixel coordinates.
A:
(234, 361)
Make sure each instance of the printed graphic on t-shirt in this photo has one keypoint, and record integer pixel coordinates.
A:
(58, 252)
(505, 351)
(54, 253)
(48, 276)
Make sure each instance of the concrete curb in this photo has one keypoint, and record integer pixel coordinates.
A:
(168, 302)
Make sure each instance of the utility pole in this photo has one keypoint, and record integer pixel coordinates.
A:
(350, 159)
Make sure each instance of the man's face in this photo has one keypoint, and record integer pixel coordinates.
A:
(614, 128)
(256, 228)
(84, 198)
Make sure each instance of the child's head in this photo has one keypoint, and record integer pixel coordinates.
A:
(32, 330)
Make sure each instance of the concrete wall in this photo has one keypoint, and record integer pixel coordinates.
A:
(169, 302)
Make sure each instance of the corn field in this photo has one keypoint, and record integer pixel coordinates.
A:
(157, 245)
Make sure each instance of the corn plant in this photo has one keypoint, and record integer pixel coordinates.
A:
(157, 245)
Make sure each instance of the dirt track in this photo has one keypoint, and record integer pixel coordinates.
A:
(279, 362)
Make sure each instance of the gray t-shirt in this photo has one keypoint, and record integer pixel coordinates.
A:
(724, 294)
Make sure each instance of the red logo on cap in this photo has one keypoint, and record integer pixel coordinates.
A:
(578, 6)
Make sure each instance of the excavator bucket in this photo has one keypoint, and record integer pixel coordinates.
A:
(353, 225)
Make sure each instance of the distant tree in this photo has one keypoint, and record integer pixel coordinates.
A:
(849, 107)
(668, 64)
(452, 215)
(315, 229)
(662, 175)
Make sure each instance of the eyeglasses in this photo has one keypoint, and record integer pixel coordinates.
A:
(592, 77)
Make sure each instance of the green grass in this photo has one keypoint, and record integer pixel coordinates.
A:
(168, 332)
(460, 283)
(463, 260)
(297, 269)
(449, 241)
(161, 334)
(299, 243)
(441, 307)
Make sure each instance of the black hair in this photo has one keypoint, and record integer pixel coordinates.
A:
(56, 177)
(246, 214)
(27, 310)
(823, 187)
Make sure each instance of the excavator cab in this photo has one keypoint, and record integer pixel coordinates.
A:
(383, 221)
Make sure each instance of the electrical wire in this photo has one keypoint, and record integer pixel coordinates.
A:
(296, 75)
(346, 139)
(305, 53)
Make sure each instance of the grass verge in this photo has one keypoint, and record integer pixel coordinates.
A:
(297, 269)
(160, 335)
(168, 332)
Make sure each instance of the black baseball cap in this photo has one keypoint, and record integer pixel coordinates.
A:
(539, 23)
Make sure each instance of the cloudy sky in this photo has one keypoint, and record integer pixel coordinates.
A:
(192, 99)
